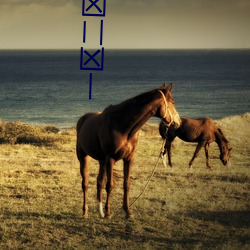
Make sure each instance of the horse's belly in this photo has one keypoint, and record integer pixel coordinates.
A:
(95, 154)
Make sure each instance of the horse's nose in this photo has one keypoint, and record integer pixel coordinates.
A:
(225, 162)
(177, 123)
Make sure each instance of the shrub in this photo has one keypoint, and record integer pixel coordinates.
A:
(21, 133)
(52, 129)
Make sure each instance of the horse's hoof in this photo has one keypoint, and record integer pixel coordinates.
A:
(100, 208)
(108, 216)
(164, 160)
(85, 216)
(130, 216)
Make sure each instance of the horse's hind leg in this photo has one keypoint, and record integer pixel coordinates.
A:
(100, 185)
(197, 150)
(207, 155)
(84, 169)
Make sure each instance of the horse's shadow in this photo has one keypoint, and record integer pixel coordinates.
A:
(91, 229)
(236, 219)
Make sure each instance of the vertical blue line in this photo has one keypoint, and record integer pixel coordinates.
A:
(101, 32)
(90, 85)
(102, 57)
(84, 31)
(81, 58)
(83, 3)
(104, 7)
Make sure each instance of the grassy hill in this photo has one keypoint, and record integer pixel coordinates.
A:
(182, 208)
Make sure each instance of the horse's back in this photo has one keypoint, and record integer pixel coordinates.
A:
(195, 130)
(205, 122)
(209, 125)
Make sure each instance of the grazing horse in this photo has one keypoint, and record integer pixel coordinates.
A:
(112, 135)
(203, 131)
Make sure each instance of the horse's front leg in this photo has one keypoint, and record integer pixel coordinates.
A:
(163, 153)
(110, 183)
(169, 147)
(197, 150)
(207, 155)
(84, 169)
(126, 185)
(100, 185)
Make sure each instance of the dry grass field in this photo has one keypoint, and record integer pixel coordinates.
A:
(182, 208)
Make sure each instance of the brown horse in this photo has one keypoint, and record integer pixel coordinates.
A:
(112, 135)
(203, 131)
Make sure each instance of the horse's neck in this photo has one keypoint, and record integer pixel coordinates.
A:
(134, 113)
(221, 141)
(138, 123)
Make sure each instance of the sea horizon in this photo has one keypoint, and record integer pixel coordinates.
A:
(49, 88)
(125, 49)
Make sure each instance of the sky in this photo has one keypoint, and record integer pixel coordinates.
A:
(128, 24)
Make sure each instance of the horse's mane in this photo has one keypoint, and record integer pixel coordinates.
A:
(139, 97)
(133, 101)
(220, 136)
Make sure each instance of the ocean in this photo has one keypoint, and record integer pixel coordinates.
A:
(48, 87)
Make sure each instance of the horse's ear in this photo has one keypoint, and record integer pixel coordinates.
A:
(169, 88)
(163, 86)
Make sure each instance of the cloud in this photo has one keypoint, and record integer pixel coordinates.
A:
(16, 3)
(32, 26)
(130, 3)
(137, 6)
(128, 23)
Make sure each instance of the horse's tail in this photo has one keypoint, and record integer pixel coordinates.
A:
(79, 123)
(83, 118)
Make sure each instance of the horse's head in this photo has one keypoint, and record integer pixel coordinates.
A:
(167, 111)
(224, 147)
(225, 155)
